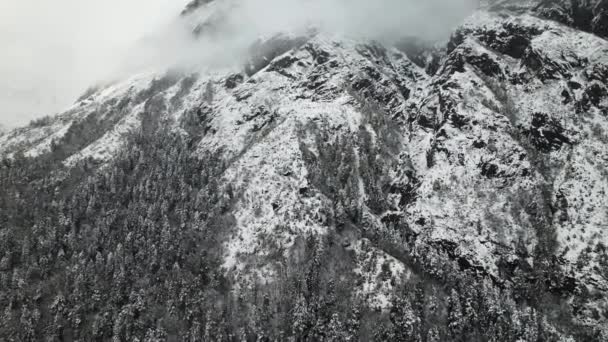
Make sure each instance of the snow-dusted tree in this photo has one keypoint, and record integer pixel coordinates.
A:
(433, 335)
(406, 323)
(456, 322)
(301, 318)
(335, 330)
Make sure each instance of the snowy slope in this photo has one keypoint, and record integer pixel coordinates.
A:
(498, 159)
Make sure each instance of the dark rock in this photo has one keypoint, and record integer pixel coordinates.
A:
(406, 191)
(318, 55)
(479, 144)
(599, 25)
(362, 84)
(562, 205)
(391, 219)
(599, 72)
(485, 64)
(193, 5)
(315, 80)
(582, 15)
(543, 67)
(459, 120)
(282, 63)
(546, 134)
(405, 91)
(516, 46)
(454, 63)
(563, 286)
(421, 221)
(260, 111)
(596, 93)
(566, 97)
(242, 96)
(233, 81)
(426, 121)
(372, 73)
(490, 170)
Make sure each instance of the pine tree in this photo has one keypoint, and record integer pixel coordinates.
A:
(301, 319)
(455, 318)
(335, 331)
(352, 325)
(433, 335)
(406, 323)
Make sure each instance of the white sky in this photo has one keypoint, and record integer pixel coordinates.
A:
(52, 50)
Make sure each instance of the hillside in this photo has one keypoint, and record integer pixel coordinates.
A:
(331, 189)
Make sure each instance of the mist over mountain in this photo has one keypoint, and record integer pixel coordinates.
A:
(321, 171)
(235, 25)
(56, 51)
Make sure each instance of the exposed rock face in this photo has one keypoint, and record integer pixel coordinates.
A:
(586, 15)
(478, 172)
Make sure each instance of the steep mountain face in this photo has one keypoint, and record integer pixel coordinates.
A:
(586, 15)
(330, 189)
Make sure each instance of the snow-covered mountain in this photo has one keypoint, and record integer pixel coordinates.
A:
(452, 193)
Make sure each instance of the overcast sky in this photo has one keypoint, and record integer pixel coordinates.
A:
(52, 50)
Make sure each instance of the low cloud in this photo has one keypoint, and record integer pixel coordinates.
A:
(57, 49)
(230, 26)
